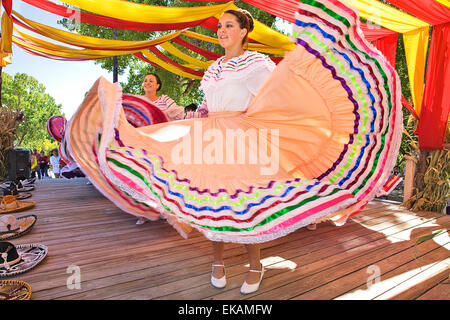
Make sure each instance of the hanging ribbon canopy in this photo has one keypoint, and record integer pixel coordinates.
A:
(150, 18)
(436, 98)
(173, 52)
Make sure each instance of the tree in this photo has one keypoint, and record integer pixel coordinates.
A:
(23, 93)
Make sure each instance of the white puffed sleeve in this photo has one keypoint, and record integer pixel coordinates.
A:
(173, 111)
(259, 76)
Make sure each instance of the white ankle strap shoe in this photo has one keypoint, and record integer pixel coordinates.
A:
(219, 282)
(250, 288)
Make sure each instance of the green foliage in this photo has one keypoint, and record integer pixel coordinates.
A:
(184, 91)
(24, 93)
(409, 143)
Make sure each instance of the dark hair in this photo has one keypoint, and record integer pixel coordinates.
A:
(158, 80)
(191, 107)
(245, 20)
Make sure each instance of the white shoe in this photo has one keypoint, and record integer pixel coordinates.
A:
(250, 288)
(141, 221)
(219, 283)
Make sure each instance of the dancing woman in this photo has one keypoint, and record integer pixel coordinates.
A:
(270, 150)
(152, 84)
(229, 85)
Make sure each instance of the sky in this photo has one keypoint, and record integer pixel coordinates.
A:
(65, 81)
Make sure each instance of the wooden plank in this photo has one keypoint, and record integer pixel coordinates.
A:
(392, 270)
(109, 289)
(323, 273)
(392, 276)
(419, 283)
(120, 260)
(309, 259)
(439, 292)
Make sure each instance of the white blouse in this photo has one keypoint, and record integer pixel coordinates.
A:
(54, 161)
(169, 107)
(231, 85)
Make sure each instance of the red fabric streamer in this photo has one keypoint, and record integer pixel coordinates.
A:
(207, 54)
(383, 39)
(106, 21)
(48, 55)
(373, 33)
(143, 58)
(388, 46)
(427, 10)
(162, 56)
(20, 23)
(7, 4)
(284, 9)
(409, 107)
(436, 100)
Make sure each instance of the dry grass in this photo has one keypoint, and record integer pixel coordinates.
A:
(432, 182)
(9, 121)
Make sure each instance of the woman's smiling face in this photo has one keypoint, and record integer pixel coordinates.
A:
(150, 84)
(229, 31)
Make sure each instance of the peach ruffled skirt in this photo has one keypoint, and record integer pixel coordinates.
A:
(317, 143)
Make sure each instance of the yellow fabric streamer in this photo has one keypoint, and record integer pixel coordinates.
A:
(168, 66)
(129, 47)
(6, 40)
(193, 63)
(51, 48)
(155, 14)
(386, 16)
(251, 46)
(137, 12)
(86, 41)
(444, 2)
(415, 36)
(62, 52)
(271, 37)
(416, 46)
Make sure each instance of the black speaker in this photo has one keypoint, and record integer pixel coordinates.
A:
(19, 164)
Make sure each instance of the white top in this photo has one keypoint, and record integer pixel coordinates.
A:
(54, 161)
(169, 107)
(231, 85)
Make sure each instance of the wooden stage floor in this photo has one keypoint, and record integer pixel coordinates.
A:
(373, 256)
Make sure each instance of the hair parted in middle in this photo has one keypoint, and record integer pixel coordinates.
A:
(245, 20)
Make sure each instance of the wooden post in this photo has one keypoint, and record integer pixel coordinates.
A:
(410, 172)
(1, 84)
(115, 63)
